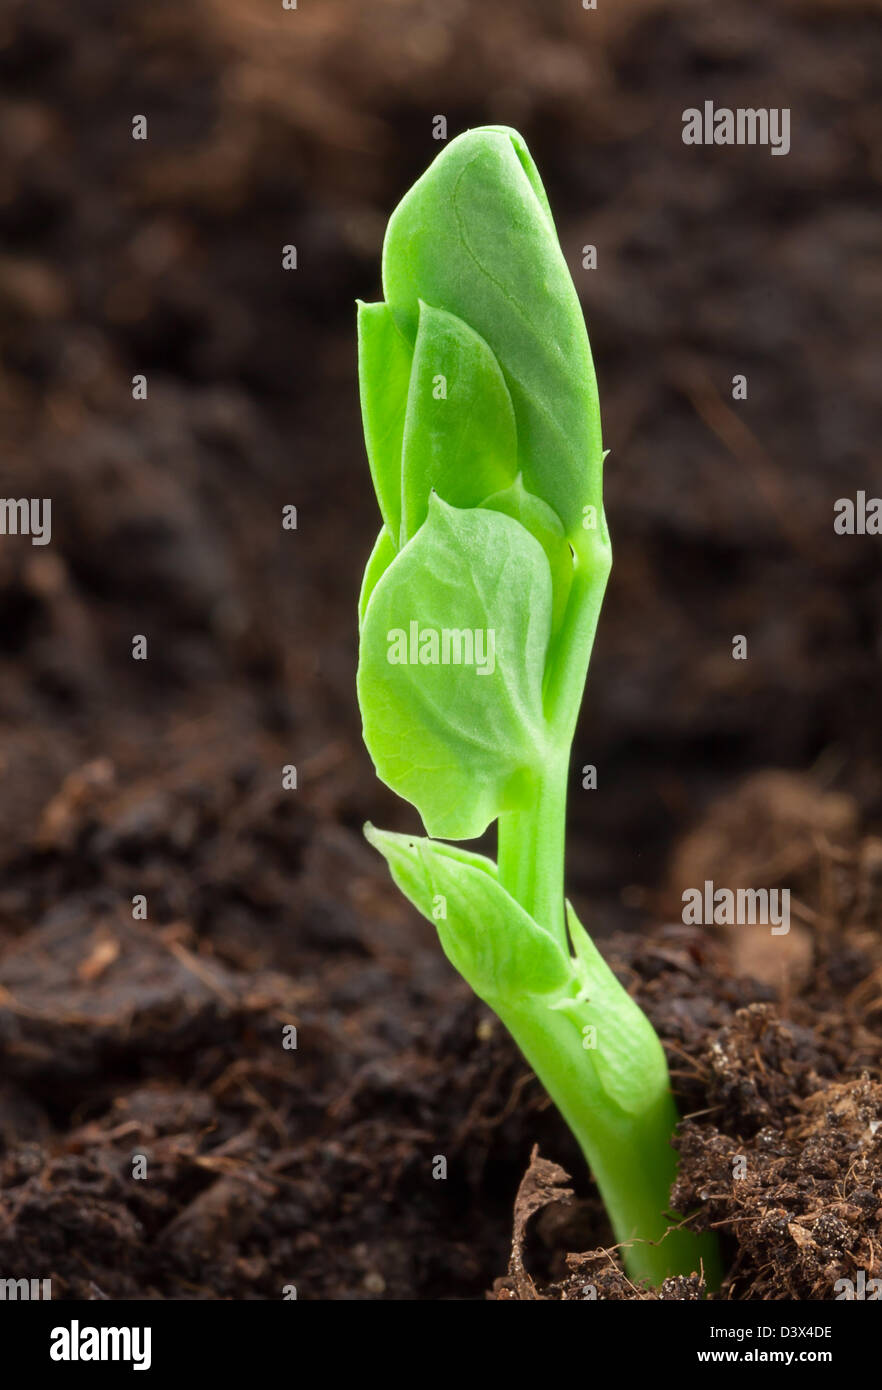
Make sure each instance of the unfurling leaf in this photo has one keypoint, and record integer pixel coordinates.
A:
(485, 934)
(384, 363)
(459, 436)
(453, 645)
(474, 237)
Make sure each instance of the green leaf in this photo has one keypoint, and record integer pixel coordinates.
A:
(629, 1059)
(380, 559)
(384, 362)
(547, 527)
(453, 647)
(519, 145)
(485, 934)
(459, 434)
(474, 236)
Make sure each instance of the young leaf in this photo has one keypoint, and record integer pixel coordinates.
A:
(459, 434)
(453, 648)
(474, 236)
(547, 527)
(485, 934)
(629, 1058)
(384, 362)
(528, 164)
(379, 560)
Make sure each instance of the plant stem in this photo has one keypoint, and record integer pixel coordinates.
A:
(630, 1155)
(570, 650)
(531, 847)
(627, 1147)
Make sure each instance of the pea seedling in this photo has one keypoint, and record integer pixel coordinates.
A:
(477, 617)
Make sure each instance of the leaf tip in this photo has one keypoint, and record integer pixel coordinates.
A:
(371, 834)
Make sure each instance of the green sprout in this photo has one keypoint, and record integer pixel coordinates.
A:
(477, 616)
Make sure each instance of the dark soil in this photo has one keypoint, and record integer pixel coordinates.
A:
(160, 1038)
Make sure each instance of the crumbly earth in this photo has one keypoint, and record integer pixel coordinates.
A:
(136, 1047)
(781, 1150)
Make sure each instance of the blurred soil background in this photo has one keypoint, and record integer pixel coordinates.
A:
(163, 1037)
